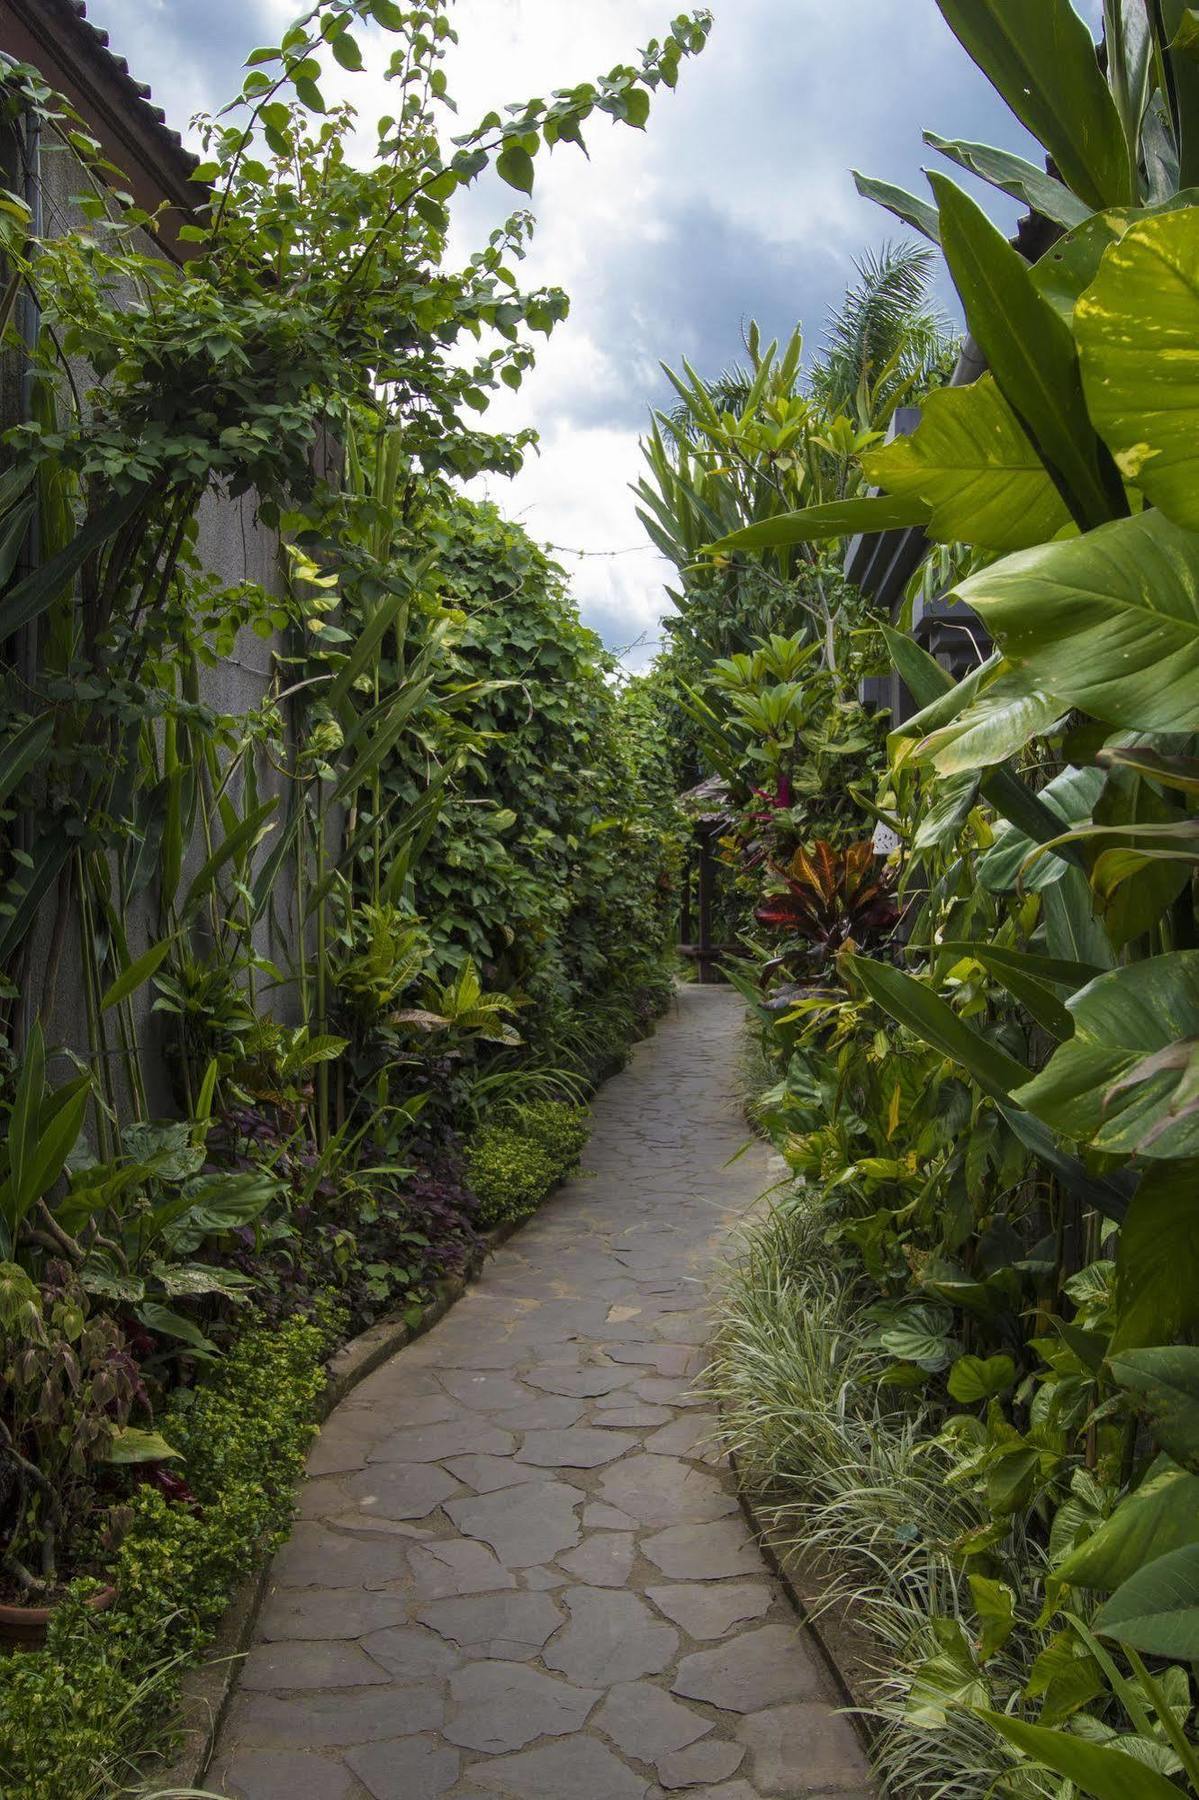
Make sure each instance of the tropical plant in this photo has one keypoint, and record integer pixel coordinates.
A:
(1043, 811)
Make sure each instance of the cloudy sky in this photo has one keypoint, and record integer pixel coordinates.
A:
(736, 203)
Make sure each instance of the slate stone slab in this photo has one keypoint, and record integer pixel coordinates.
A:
(413, 1769)
(710, 1609)
(523, 1525)
(704, 1552)
(809, 1747)
(329, 1613)
(571, 1769)
(510, 1626)
(701, 1764)
(603, 1560)
(401, 1490)
(582, 1447)
(646, 1723)
(320, 1721)
(282, 1667)
(745, 1674)
(611, 1637)
(502, 1706)
(271, 1775)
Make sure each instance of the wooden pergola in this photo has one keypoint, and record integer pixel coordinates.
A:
(708, 808)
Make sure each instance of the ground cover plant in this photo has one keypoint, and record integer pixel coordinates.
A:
(993, 1108)
(325, 946)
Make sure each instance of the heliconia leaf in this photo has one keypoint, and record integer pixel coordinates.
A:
(1109, 622)
(843, 518)
(1030, 351)
(915, 1004)
(1015, 176)
(1040, 56)
(918, 214)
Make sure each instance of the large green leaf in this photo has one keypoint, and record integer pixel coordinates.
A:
(1097, 1088)
(1157, 1609)
(1107, 1774)
(842, 518)
(1015, 176)
(1165, 1382)
(1031, 353)
(1109, 622)
(998, 725)
(1070, 797)
(1157, 1261)
(1159, 1516)
(1041, 57)
(928, 682)
(1070, 265)
(972, 463)
(915, 1005)
(1137, 328)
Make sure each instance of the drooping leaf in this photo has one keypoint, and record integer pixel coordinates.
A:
(1157, 1609)
(1157, 1260)
(1137, 328)
(1159, 1516)
(1107, 1774)
(1070, 797)
(1108, 621)
(1165, 1382)
(972, 464)
(906, 207)
(136, 974)
(842, 518)
(130, 1445)
(1099, 1088)
(1016, 176)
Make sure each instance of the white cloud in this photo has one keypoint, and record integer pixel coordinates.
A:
(736, 201)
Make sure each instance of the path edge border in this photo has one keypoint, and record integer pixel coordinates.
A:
(207, 1689)
(779, 1556)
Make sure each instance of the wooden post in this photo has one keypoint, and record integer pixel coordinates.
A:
(707, 873)
(685, 909)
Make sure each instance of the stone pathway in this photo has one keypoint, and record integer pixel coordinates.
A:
(520, 1569)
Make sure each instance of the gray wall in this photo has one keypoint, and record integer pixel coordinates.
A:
(235, 547)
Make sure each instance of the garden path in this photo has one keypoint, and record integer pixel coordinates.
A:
(520, 1568)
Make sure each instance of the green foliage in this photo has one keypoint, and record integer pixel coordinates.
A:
(515, 1162)
(1019, 1217)
(73, 1715)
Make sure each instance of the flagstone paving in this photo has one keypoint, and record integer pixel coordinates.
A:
(520, 1569)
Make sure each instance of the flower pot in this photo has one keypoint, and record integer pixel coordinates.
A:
(24, 1627)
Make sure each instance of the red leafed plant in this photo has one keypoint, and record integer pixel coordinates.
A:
(831, 897)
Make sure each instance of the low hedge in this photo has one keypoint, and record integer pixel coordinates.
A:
(74, 1716)
(513, 1164)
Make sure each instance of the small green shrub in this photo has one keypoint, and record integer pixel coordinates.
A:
(74, 1715)
(516, 1161)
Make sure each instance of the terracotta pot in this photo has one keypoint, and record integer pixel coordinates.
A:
(24, 1627)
